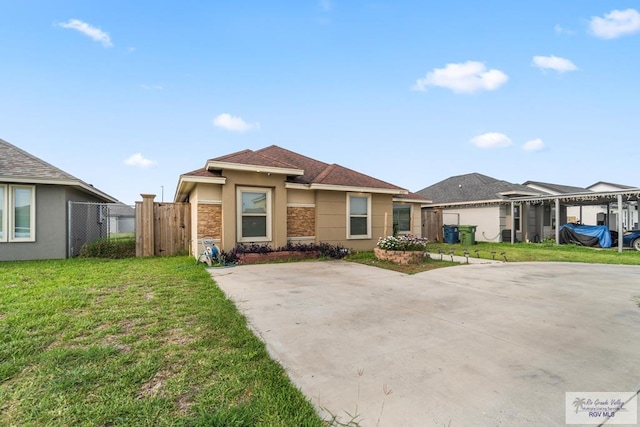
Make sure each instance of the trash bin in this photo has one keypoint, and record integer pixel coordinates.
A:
(450, 233)
(467, 234)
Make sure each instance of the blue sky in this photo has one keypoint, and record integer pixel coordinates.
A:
(128, 95)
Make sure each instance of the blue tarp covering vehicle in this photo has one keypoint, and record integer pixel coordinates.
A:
(586, 235)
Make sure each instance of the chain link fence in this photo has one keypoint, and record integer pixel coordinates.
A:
(89, 222)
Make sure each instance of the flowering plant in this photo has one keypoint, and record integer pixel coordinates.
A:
(403, 243)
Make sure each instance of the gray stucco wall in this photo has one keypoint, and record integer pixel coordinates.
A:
(51, 226)
(50, 229)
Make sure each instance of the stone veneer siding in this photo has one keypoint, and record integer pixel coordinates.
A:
(301, 221)
(399, 257)
(209, 221)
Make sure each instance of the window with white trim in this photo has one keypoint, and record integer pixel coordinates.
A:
(358, 216)
(401, 218)
(3, 209)
(254, 214)
(17, 213)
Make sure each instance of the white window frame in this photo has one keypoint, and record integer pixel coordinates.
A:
(368, 216)
(405, 205)
(239, 215)
(4, 204)
(8, 214)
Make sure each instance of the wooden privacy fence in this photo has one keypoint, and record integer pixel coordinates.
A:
(432, 224)
(162, 228)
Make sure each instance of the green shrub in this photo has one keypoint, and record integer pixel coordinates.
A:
(325, 250)
(109, 248)
(403, 243)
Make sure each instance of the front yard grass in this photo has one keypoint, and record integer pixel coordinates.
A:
(542, 252)
(147, 341)
(519, 252)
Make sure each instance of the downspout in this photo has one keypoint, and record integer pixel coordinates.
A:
(69, 229)
(513, 223)
(620, 230)
(557, 221)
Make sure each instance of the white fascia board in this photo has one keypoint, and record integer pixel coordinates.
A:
(93, 190)
(296, 186)
(28, 180)
(329, 187)
(474, 202)
(187, 182)
(400, 199)
(204, 179)
(65, 182)
(213, 165)
(518, 193)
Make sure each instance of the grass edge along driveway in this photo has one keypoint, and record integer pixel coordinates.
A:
(147, 341)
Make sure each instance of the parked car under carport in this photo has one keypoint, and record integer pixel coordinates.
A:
(631, 239)
(598, 236)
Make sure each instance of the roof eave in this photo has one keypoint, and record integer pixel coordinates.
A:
(467, 203)
(216, 165)
(186, 183)
(64, 182)
(356, 189)
(409, 200)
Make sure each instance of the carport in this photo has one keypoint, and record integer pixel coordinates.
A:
(616, 200)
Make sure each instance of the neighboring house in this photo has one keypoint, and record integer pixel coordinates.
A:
(532, 210)
(122, 219)
(541, 218)
(274, 196)
(474, 199)
(34, 198)
(603, 215)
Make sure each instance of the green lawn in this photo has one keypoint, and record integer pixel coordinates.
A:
(153, 341)
(521, 252)
(133, 342)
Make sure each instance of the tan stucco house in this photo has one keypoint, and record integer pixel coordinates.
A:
(274, 196)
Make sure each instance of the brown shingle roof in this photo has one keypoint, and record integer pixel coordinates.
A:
(204, 172)
(16, 163)
(315, 171)
(248, 157)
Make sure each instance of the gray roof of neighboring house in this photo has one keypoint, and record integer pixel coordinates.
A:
(16, 165)
(472, 187)
(122, 210)
(557, 188)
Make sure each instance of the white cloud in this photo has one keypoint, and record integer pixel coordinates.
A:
(229, 122)
(94, 33)
(138, 161)
(533, 145)
(491, 140)
(325, 5)
(615, 24)
(467, 77)
(561, 30)
(151, 87)
(561, 65)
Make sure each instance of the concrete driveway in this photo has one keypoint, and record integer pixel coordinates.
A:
(475, 345)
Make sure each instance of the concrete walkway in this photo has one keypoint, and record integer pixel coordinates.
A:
(474, 345)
